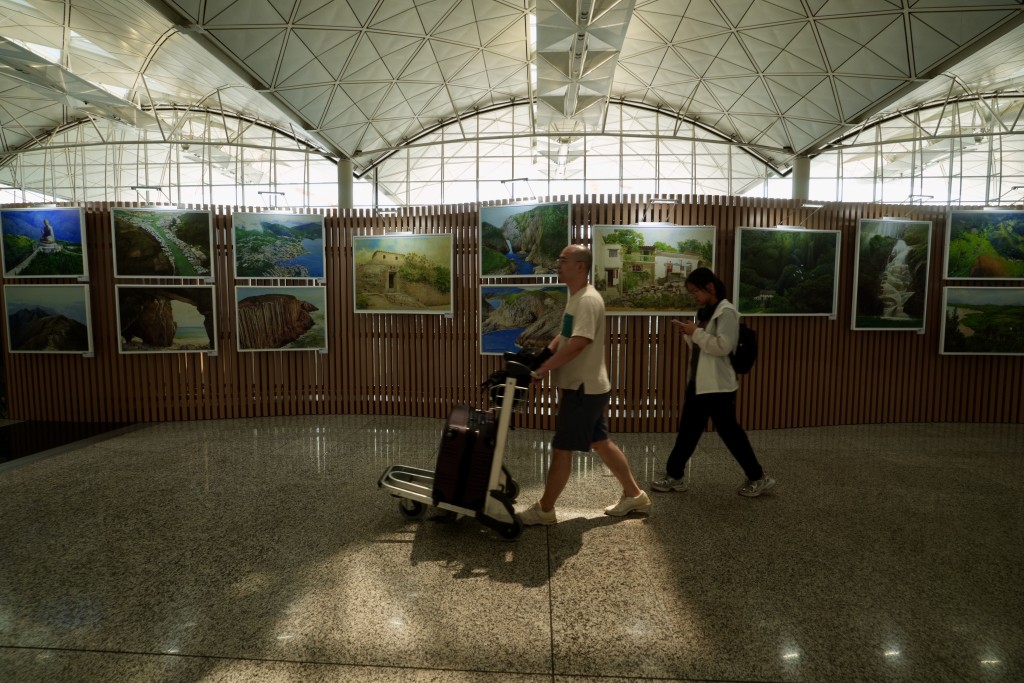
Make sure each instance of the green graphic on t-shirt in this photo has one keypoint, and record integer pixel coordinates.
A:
(566, 326)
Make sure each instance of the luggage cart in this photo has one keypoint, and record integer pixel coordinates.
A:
(414, 486)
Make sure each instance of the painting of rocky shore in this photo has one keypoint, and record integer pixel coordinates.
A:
(520, 317)
(402, 274)
(281, 318)
(522, 239)
(890, 290)
(278, 245)
(166, 319)
(48, 318)
(162, 243)
(43, 242)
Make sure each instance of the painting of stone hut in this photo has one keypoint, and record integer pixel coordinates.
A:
(402, 274)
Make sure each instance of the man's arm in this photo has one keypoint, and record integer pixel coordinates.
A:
(564, 353)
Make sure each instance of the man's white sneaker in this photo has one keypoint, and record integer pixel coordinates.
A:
(641, 503)
(533, 515)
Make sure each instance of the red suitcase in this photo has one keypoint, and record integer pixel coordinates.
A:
(464, 458)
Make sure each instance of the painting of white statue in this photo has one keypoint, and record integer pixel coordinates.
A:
(43, 242)
(890, 289)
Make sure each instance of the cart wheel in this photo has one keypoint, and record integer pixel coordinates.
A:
(411, 509)
(512, 531)
(511, 490)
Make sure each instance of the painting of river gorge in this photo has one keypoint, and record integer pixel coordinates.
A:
(985, 245)
(281, 318)
(520, 317)
(983, 321)
(162, 243)
(890, 289)
(278, 245)
(522, 239)
(43, 242)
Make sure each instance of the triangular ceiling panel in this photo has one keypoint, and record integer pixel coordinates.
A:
(857, 94)
(771, 12)
(365, 64)
(395, 51)
(734, 9)
(731, 60)
(958, 28)
(399, 16)
(299, 66)
(245, 43)
(330, 13)
(433, 11)
(252, 12)
(320, 42)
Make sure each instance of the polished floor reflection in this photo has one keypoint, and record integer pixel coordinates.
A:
(262, 550)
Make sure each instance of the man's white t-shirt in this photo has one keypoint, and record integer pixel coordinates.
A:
(584, 317)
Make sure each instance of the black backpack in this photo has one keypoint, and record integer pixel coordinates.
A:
(743, 357)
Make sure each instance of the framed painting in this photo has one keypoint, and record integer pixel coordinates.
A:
(278, 245)
(786, 271)
(402, 273)
(890, 289)
(43, 242)
(281, 318)
(166, 319)
(520, 317)
(523, 239)
(48, 318)
(985, 245)
(642, 269)
(162, 243)
(982, 321)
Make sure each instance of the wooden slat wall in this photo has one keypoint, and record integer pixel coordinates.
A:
(811, 371)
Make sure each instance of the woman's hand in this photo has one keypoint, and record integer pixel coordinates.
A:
(687, 327)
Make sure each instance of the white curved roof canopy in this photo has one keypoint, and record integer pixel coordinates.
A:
(358, 79)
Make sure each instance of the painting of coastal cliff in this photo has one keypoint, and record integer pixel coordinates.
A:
(170, 243)
(642, 269)
(43, 242)
(166, 319)
(890, 290)
(402, 274)
(786, 271)
(520, 317)
(522, 239)
(48, 318)
(985, 245)
(281, 318)
(983, 321)
(278, 245)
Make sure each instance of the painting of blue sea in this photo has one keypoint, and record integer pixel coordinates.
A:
(520, 317)
(43, 242)
(278, 245)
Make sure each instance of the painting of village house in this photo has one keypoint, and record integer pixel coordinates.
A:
(890, 290)
(985, 245)
(402, 274)
(43, 242)
(520, 317)
(643, 269)
(278, 245)
(786, 271)
(281, 318)
(170, 243)
(48, 318)
(983, 321)
(166, 319)
(522, 239)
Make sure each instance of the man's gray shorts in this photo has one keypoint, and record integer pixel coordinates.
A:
(580, 420)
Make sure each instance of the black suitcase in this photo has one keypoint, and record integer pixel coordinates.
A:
(464, 458)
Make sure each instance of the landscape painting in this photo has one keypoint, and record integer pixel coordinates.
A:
(983, 321)
(786, 271)
(48, 318)
(985, 245)
(402, 274)
(890, 289)
(520, 317)
(166, 319)
(43, 242)
(170, 243)
(278, 245)
(281, 318)
(642, 269)
(522, 239)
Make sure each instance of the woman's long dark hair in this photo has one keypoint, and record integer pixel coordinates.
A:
(702, 277)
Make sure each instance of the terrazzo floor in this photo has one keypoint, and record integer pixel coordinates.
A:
(263, 550)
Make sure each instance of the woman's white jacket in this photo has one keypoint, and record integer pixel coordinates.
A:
(716, 341)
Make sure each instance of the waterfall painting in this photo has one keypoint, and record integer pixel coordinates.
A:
(43, 242)
(278, 245)
(522, 239)
(281, 318)
(786, 271)
(166, 319)
(890, 290)
(642, 269)
(402, 274)
(520, 317)
(48, 319)
(985, 245)
(982, 321)
(164, 243)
